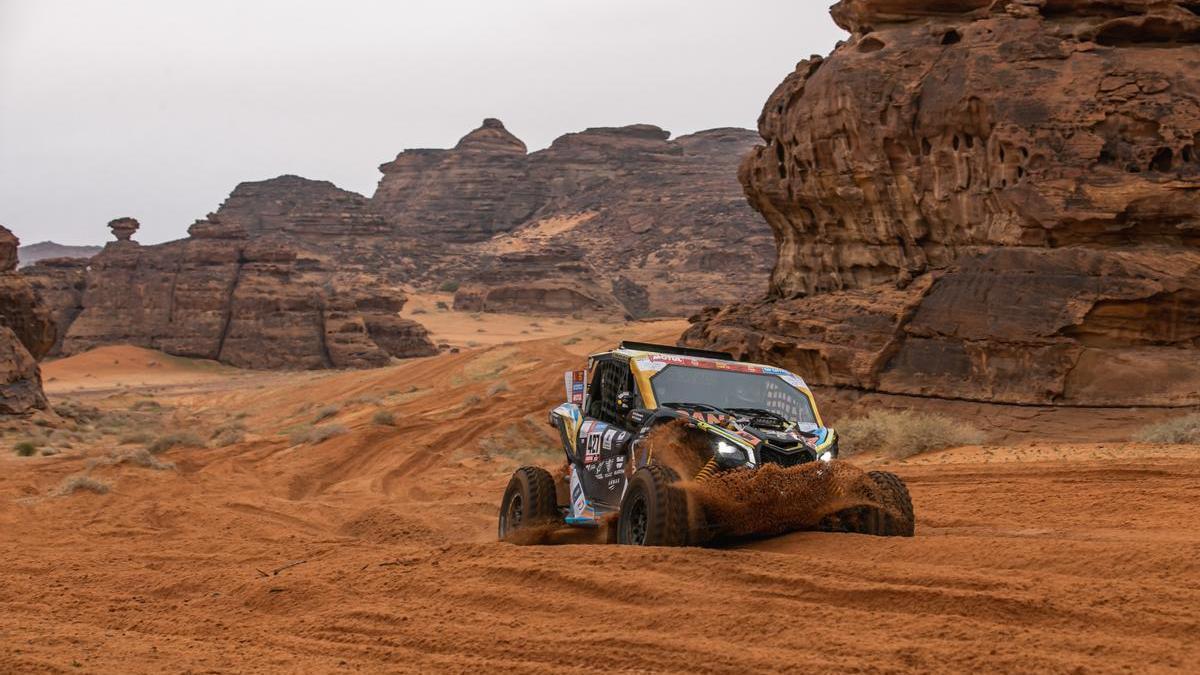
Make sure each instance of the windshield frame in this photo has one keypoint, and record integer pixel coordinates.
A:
(649, 377)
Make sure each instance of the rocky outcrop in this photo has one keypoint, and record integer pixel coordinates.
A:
(26, 334)
(59, 284)
(296, 273)
(249, 288)
(621, 221)
(993, 201)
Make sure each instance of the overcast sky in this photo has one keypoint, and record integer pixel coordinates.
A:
(156, 109)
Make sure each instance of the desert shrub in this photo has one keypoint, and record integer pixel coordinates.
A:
(314, 435)
(1180, 430)
(471, 401)
(146, 404)
(571, 341)
(448, 286)
(904, 433)
(420, 310)
(81, 481)
(441, 305)
(299, 434)
(25, 449)
(326, 412)
(135, 438)
(324, 433)
(498, 388)
(385, 417)
(229, 435)
(77, 412)
(144, 459)
(174, 440)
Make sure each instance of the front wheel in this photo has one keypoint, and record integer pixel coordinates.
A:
(654, 512)
(528, 500)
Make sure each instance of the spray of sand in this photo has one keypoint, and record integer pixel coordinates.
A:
(769, 501)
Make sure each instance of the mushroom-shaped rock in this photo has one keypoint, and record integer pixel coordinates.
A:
(123, 228)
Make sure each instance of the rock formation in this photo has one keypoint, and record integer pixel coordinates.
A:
(993, 201)
(252, 286)
(26, 334)
(616, 221)
(298, 273)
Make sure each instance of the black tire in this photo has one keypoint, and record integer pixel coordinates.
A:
(653, 512)
(529, 499)
(894, 517)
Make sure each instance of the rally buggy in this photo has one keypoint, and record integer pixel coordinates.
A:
(748, 415)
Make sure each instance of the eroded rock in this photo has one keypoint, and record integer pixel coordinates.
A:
(989, 201)
(27, 333)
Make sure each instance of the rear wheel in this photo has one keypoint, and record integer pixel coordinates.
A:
(528, 500)
(892, 517)
(654, 511)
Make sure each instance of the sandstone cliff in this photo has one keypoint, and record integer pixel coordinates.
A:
(621, 221)
(26, 334)
(244, 289)
(298, 273)
(985, 200)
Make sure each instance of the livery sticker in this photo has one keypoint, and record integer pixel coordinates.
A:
(576, 383)
(608, 439)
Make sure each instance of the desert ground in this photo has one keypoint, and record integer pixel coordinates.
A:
(199, 518)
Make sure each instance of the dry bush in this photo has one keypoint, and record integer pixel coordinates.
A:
(77, 412)
(904, 433)
(299, 434)
(571, 341)
(144, 459)
(1179, 430)
(81, 481)
(471, 401)
(326, 412)
(420, 310)
(25, 449)
(497, 388)
(174, 440)
(385, 417)
(448, 286)
(324, 433)
(442, 306)
(314, 435)
(137, 437)
(228, 435)
(146, 404)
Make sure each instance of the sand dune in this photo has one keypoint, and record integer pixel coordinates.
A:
(374, 549)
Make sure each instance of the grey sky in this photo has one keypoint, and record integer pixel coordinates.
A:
(157, 108)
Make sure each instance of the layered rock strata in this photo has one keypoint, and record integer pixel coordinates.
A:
(27, 333)
(993, 201)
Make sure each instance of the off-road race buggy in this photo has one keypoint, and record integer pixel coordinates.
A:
(747, 416)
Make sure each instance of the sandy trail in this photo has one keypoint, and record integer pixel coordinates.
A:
(374, 550)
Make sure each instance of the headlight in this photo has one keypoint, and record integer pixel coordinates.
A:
(826, 456)
(728, 454)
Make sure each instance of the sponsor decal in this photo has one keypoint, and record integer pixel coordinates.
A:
(608, 439)
(577, 386)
